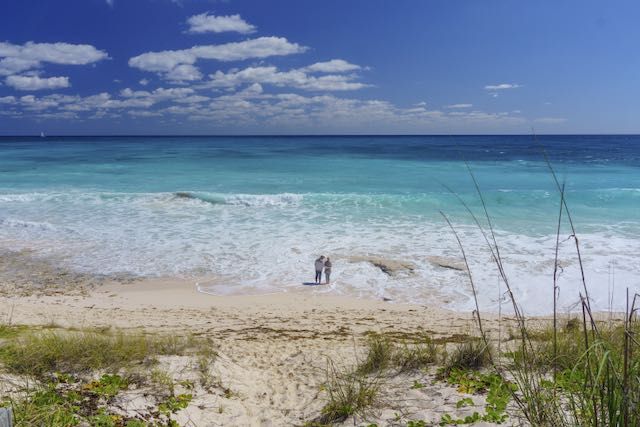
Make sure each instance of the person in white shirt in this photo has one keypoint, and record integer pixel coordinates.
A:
(319, 267)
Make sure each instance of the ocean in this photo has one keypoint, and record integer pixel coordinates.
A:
(250, 214)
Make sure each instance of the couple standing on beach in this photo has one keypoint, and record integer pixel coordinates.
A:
(323, 263)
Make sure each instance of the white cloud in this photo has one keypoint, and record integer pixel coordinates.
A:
(137, 113)
(333, 66)
(550, 120)
(7, 99)
(19, 58)
(205, 23)
(103, 102)
(296, 78)
(158, 94)
(193, 99)
(36, 82)
(184, 72)
(171, 63)
(457, 106)
(30, 102)
(144, 82)
(110, 3)
(60, 115)
(502, 86)
(254, 109)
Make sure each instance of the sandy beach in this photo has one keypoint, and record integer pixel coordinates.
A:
(273, 349)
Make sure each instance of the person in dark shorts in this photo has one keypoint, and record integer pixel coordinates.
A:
(319, 267)
(327, 270)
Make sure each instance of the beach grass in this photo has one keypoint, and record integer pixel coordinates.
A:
(74, 377)
(585, 374)
(383, 354)
(471, 354)
(348, 393)
(41, 353)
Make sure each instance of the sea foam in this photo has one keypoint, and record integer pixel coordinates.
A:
(267, 243)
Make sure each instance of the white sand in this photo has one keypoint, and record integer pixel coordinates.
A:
(273, 348)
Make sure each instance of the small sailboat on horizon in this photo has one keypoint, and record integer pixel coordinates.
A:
(42, 135)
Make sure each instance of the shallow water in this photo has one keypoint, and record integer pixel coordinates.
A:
(256, 211)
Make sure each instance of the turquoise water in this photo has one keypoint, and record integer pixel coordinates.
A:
(249, 214)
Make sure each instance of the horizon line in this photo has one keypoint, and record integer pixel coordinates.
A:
(309, 135)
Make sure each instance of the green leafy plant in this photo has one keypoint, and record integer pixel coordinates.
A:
(107, 386)
(417, 385)
(499, 394)
(175, 403)
(467, 401)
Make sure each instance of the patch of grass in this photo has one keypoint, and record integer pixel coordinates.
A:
(415, 357)
(587, 376)
(417, 385)
(383, 354)
(348, 395)
(66, 401)
(162, 382)
(380, 352)
(205, 358)
(11, 331)
(39, 354)
(471, 354)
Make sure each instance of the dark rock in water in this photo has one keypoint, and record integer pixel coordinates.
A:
(183, 195)
(452, 263)
(387, 266)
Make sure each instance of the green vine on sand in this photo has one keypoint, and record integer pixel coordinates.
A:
(498, 397)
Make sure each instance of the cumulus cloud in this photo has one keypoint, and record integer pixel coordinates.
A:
(137, 113)
(179, 65)
(19, 58)
(457, 106)
(333, 66)
(36, 82)
(158, 94)
(183, 73)
(205, 23)
(502, 86)
(254, 108)
(296, 78)
(103, 104)
(327, 113)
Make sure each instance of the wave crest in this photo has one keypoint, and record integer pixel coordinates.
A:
(249, 200)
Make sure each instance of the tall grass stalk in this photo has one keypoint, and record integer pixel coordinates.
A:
(597, 384)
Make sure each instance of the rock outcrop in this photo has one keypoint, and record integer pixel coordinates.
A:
(451, 263)
(387, 266)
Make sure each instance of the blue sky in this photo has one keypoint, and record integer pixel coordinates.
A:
(319, 67)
